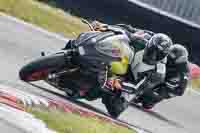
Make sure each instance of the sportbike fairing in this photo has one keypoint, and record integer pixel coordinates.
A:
(106, 47)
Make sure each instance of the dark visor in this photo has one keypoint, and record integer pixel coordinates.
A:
(153, 55)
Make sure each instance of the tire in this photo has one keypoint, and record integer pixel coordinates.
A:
(115, 105)
(40, 68)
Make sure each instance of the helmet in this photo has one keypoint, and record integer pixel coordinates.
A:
(178, 54)
(157, 48)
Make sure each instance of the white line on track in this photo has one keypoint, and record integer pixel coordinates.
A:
(51, 34)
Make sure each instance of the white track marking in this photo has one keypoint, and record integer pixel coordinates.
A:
(51, 34)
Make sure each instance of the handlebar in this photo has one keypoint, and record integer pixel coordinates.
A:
(128, 91)
(88, 23)
(110, 92)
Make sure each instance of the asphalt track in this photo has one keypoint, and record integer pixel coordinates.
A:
(21, 43)
(9, 128)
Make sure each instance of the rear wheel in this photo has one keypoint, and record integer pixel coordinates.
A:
(40, 68)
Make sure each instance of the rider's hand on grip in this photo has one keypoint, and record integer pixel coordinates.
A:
(113, 84)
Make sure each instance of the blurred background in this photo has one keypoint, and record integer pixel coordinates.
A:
(187, 9)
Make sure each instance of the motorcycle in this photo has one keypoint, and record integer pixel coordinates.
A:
(60, 71)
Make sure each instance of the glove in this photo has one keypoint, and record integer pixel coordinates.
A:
(172, 89)
(113, 84)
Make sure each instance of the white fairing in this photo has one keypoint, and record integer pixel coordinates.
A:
(161, 68)
(138, 66)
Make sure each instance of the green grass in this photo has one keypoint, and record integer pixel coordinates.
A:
(73, 123)
(40, 14)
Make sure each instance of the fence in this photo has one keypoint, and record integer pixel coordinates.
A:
(187, 9)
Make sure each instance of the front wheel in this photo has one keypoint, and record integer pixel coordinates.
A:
(40, 68)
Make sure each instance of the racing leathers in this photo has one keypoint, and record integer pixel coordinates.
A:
(141, 76)
(177, 71)
(99, 60)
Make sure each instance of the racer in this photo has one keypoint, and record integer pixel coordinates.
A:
(149, 61)
(144, 58)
